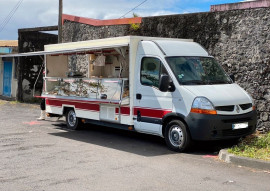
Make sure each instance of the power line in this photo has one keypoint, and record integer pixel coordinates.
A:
(10, 15)
(133, 8)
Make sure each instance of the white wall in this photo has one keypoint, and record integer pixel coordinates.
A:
(1, 76)
(14, 82)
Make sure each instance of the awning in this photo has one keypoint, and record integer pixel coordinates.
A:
(77, 47)
(40, 53)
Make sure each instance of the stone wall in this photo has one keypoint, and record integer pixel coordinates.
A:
(238, 39)
(29, 67)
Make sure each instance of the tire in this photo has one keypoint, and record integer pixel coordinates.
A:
(72, 121)
(177, 136)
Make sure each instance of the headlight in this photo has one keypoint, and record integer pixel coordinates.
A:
(203, 106)
(252, 102)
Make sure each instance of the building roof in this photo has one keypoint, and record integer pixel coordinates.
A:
(8, 43)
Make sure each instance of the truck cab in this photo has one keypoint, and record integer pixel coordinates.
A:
(199, 101)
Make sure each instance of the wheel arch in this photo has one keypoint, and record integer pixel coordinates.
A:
(172, 116)
(66, 108)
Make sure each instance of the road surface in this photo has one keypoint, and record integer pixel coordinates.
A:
(46, 156)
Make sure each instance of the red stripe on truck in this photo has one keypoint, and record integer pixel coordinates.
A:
(151, 112)
(91, 106)
(125, 110)
(78, 105)
(95, 106)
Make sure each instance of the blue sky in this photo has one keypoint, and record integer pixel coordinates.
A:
(38, 13)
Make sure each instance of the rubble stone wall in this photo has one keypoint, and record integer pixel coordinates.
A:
(238, 39)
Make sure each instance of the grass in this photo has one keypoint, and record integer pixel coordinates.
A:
(2, 102)
(254, 146)
(14, 102)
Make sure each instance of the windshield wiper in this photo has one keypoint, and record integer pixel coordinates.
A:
(195, 82)
(219, 82)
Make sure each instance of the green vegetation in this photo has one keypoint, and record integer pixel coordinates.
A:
(14, 102)
(254, 146)
(2, 102)
(135, 26)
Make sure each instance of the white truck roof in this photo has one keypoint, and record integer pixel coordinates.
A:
(181, 48)
(107, 43)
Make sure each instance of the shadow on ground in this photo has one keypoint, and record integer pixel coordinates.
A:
(133, 142)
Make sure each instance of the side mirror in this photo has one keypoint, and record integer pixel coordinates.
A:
(232, 77)
(164, 83)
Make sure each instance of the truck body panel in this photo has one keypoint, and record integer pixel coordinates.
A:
(123, 86)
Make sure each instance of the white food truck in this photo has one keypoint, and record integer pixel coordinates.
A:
(167, 87)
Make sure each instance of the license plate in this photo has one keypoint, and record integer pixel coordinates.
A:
(239, 125)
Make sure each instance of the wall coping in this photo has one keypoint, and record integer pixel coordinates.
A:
(240, 5)
(97, 22)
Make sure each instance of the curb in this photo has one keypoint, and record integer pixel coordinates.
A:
(7, 98)
(243, 161)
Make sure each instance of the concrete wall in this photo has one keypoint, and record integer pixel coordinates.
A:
(29, 67)
(239, 40)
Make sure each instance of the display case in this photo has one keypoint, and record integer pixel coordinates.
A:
(109, 89)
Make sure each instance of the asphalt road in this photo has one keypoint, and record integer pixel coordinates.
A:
(46, 156)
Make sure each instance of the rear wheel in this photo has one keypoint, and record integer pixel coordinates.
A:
(177, 136)
(73, 122)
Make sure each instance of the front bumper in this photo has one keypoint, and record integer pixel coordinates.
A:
(218, 127)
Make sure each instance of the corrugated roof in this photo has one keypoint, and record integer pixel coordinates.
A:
(8, 43)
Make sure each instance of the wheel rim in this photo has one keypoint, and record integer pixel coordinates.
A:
(176, 136)
(72, 118)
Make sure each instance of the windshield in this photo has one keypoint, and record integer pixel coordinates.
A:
(197, 70)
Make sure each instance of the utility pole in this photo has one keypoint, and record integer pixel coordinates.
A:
(60, 21)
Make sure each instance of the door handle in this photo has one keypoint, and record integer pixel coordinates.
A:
(103, 96)
(138, 96)
(139, 117)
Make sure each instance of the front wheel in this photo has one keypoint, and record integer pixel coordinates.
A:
(177, 136)
(73, 122)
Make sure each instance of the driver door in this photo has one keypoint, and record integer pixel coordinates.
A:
(151, 105)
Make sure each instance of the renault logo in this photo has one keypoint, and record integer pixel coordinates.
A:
(237, 109)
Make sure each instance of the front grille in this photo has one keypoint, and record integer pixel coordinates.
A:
(237, 120)
(237, 132)
(225, 108)
(245, 106)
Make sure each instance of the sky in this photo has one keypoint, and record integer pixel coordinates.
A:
(39, 13)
